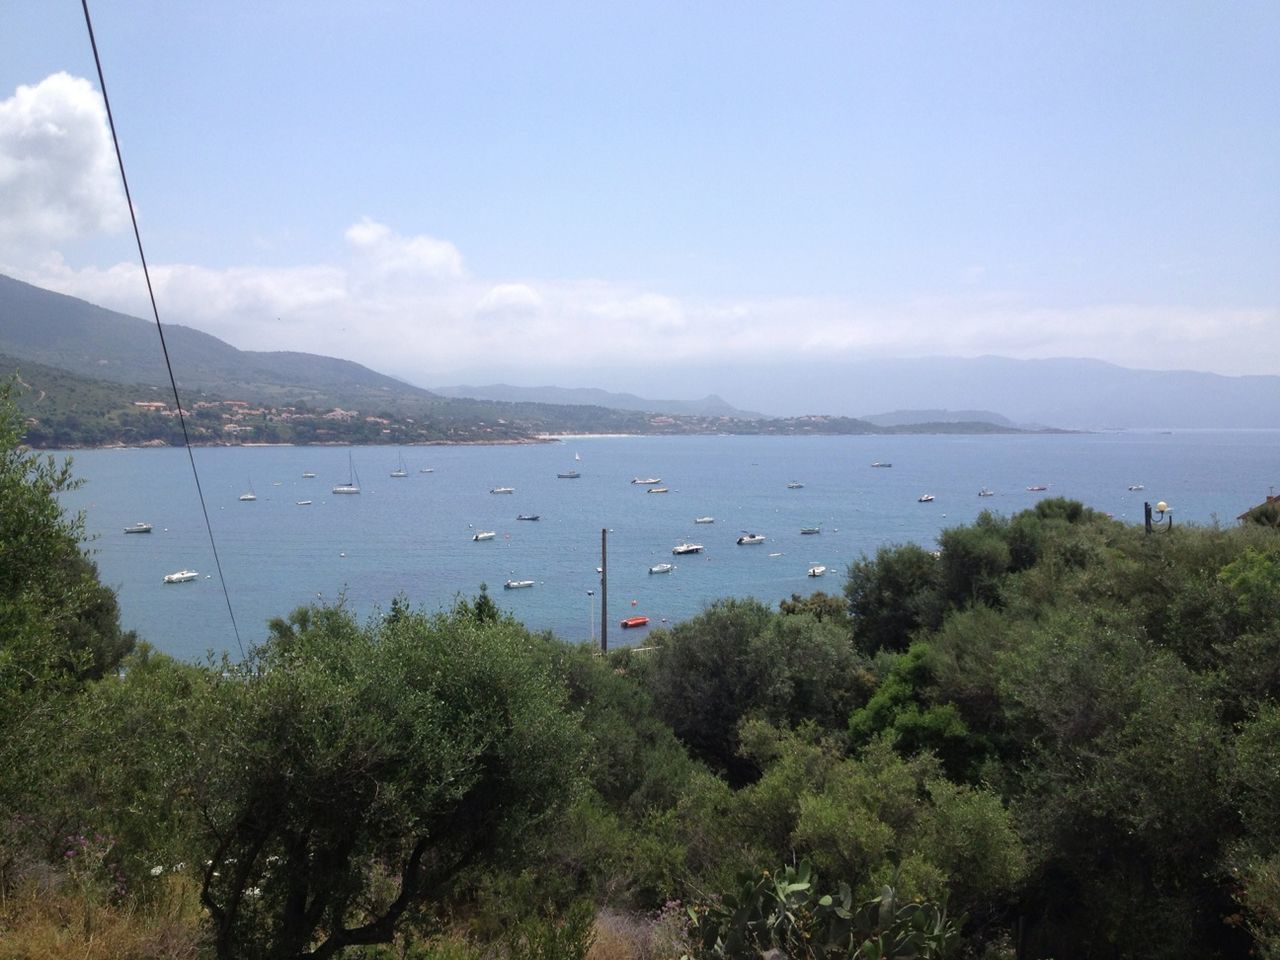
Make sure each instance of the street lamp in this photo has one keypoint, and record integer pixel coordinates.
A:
(1165, 518)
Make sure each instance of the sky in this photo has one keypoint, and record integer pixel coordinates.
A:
(609, 195)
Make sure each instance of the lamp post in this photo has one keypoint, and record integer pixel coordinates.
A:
(1165, 518)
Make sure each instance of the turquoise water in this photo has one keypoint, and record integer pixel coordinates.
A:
(412, 535)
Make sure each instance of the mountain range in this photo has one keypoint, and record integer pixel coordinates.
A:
(70, 334)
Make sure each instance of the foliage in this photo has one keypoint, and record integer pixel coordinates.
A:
(347, 775)
(784, 911)
(892, 596)
(739, 658)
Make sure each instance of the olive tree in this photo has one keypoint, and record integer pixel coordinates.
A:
(345, 775)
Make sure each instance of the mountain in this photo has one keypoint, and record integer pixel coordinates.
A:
(74, 335)
(1070, 393)
(902, 418)
(708, 406)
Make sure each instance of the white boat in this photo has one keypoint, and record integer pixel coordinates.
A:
(485, 535)
(1037, 487)
(662, 568)
(810, 530)
(657, 490)
(646, 480)
(353, 482)
(503, 490)
(705, 520)
(139, 527)
(578, 457)
(529, 516)
(748, 539)
(182, 576)
(568, 475)
(817, 570)
(682, 548)
(880, 464)
(400, 470)
(427, 470)
(249, 494)
(303, 503)
(984, 492)
(925, 498)
(1136, 486)
(795, 485)
(517, 584)
(308, 475)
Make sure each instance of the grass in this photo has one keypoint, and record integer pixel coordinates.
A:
(41, 921)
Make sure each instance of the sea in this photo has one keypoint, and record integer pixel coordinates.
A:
(411, 536)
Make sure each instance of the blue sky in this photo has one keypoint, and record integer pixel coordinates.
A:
(527, 191)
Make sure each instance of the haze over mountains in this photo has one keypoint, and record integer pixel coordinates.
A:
(71, 334)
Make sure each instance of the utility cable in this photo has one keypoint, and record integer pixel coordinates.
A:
(155, 312)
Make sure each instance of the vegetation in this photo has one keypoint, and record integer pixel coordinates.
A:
(1057, 737)
(64, 410)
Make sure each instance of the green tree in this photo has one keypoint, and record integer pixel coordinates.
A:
(891, 596)
(347, 775)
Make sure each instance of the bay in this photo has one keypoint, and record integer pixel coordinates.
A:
(411, 535)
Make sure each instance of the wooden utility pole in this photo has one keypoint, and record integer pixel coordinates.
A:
(604, 589)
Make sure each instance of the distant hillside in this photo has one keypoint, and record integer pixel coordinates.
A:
(1065, 392)
(709, 406)
(74, 335)
(902, 418)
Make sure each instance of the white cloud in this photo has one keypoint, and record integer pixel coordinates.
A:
(58, 173)
(509, 298)
(384, 253)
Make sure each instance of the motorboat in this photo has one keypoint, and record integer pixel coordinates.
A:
(747, 539)
(139, 527)
(353, 482)
(485, 535)
(1136, 486)
(568, 475)
(925, 498)
(503, 490)
(1037, 488)
(984, 492)
(646, 480)
(308, 475)
(182, 576)
(682, 548)
(795, 485)
(304, 503)
(529, 516)
(427, 470)
(809, 531)
(662, 568)
(817, 570)
(658, 490)
(705, 520)
(881, 464)
(517, 584)
(629, 622)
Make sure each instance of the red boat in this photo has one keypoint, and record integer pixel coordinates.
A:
(635, 622)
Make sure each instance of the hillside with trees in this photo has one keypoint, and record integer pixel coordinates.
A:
(1058, 736)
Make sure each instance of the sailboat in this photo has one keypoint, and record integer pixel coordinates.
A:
(400, 471)
(353, 482)
(578, 457)
(249, 494)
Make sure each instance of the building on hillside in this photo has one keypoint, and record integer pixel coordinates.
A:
(1267, 513)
